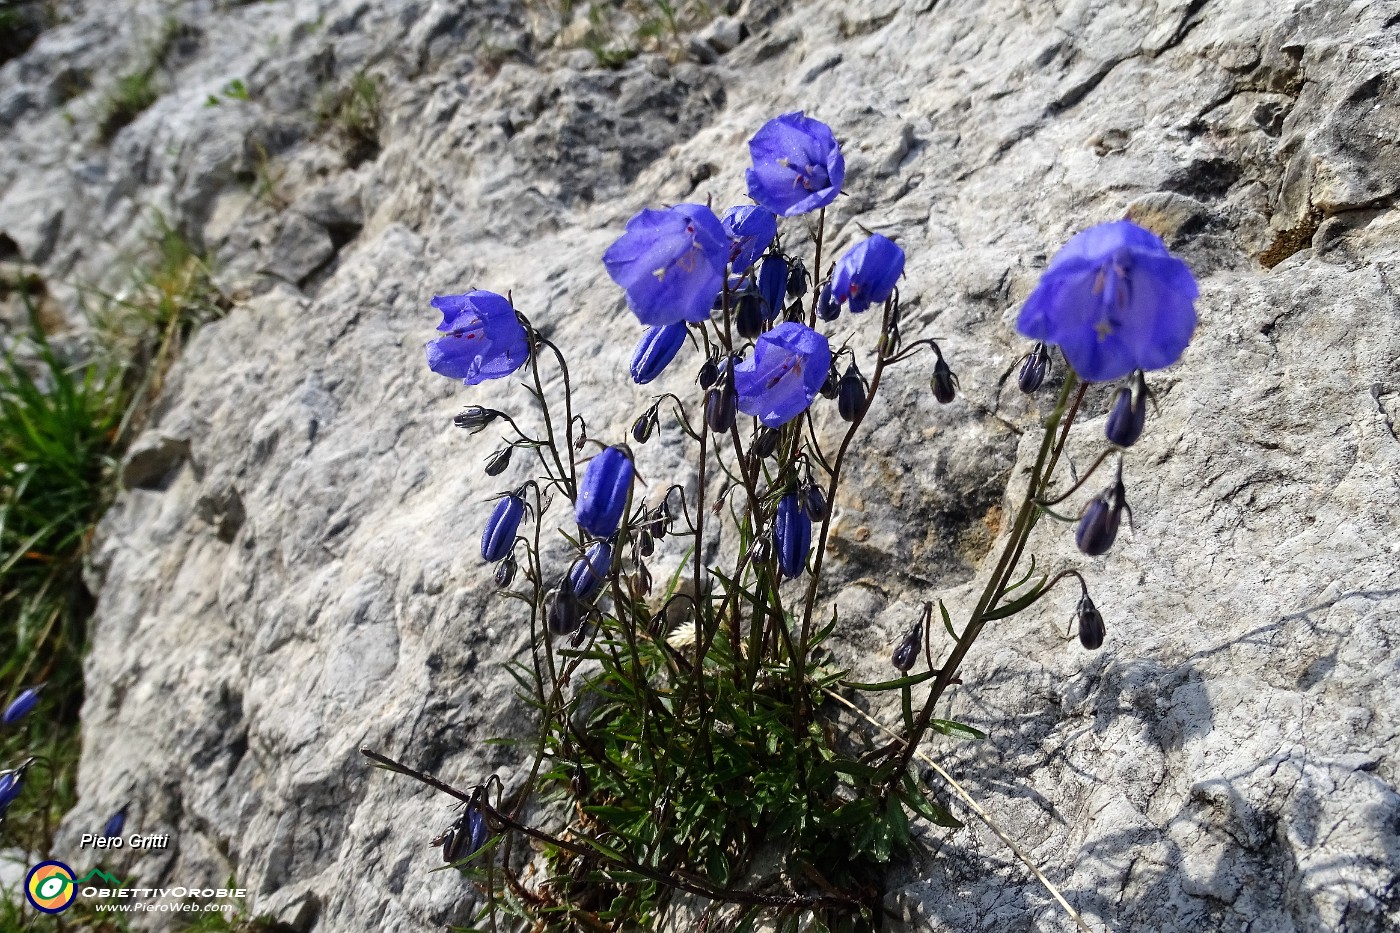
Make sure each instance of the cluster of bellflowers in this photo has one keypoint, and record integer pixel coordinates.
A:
(728, 290)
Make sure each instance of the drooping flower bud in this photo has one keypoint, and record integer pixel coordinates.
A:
(590, 572)
(565, 613)
(11, 783)
(505, 572)
(641, 581)
(115, 824)
(772, 285)
(748, 316)
(765, 444)
(655, 351)
(603, 491)
(797, 280)
(1099, 525)
(720, 404)
(466, 836)
(645, 544)
(828, 308)
(792, 533)
(761, 549)
(906, 654)
(830, 388)
(474, 418)
(499, 536)
(709, 373)
(1034, 368)
(660, 520)
(850, 394)
(815, 500)
(22, 705)
(496, 463)
(942, 381)
(644, 425)
(1129, 412)
(1091, 627)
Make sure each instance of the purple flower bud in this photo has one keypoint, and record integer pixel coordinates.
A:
(850, 394)
(590, 572)
(906, 654)
(709, 373)
(1113, 300)
(646, 545)
(772, 285)
(797, 165)
(1034, 368)
(474, 418)
(831, 386)
(828, 308)
(644, 425)
(11, 783)
(505, 572)
(750, 229)
(792, 533)
(657, 348)
(499, 536)
(466, 837)
(765, 444)
(1099, 525)
(602, 493)
(782, 377)
(670, 263)
(482, 338)
(867, 272)
(719, 407)
(660, 518)
(797, 280)
(496, 463)
(815, 501)
(748, 316)
(942, 381)
(1129, 413)
(22, 705)
(1091, 627)
(115, 824)
(761, 549)
(565, 613)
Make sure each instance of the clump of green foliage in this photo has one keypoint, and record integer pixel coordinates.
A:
(618, 32)
(66, 415)
(139, 88)
(353, 112)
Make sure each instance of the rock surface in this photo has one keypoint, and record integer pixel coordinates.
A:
(294, 570)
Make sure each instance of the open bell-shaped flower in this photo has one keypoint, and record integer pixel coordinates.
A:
(1114, 300)
(783, 375)
(602, 492)
(750, 229)
(670, 263)
(867, 272)
(482, 338)
(797, 165)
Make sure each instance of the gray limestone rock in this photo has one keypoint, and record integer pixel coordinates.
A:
(306, 579)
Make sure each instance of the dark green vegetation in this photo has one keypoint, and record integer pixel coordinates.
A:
(68, 408)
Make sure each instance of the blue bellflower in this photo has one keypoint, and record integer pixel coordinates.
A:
(750, 229)
(786, 371)
(792, 533)
(115, 824)
(867, 272)
(602, 493)
(655, 351)
(772, 285)
(797, 165)
(482, 338)
(670, 263)
(1114, 300)
(22, 705)
(499, 536)
(590, 572)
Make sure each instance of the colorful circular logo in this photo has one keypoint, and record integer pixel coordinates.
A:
(50, 887)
